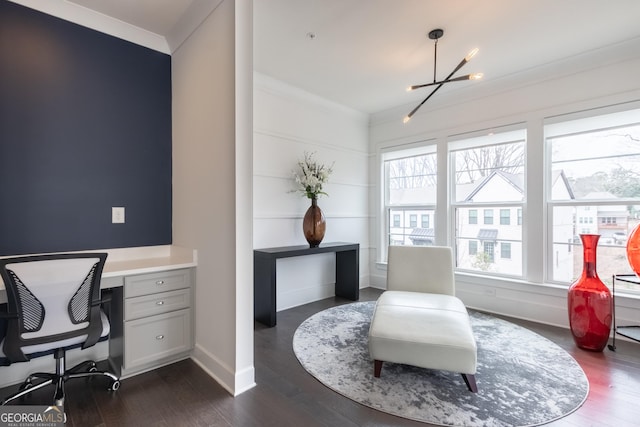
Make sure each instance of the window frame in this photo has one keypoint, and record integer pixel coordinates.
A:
(595, 120)
(514, 133)
(395, 152)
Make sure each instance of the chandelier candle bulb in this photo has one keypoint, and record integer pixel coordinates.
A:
(471, 54)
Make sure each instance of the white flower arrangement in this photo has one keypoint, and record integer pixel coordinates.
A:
(311, 176)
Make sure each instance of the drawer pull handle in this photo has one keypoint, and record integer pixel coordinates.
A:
(160, 303)
(159, 337)
(159, 282)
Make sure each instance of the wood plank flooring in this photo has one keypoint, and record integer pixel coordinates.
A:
(181, 394)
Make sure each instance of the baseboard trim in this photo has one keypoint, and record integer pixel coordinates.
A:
(215, 368)
(245, 380)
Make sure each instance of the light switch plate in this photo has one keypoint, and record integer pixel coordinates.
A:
(117, 215)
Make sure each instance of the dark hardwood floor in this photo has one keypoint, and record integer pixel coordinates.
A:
(181, 394)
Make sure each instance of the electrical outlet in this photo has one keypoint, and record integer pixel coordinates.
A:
(117, 215)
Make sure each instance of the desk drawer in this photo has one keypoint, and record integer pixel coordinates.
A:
(153, 338)
(150, 305)
(145, 284)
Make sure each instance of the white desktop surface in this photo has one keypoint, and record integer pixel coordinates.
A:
(130, 261)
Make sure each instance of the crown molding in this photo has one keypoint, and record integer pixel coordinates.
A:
(97, 21)
(192, 18)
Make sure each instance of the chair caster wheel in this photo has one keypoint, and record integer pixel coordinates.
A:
(115, 386)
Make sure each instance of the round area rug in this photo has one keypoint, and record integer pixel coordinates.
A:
(523, 378)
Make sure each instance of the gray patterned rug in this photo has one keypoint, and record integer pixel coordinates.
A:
(523, 378)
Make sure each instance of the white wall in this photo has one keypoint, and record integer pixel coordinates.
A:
(287, 122)
(211, 172)
(601, 78)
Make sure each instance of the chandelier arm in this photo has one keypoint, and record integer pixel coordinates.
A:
(455, 79)
(435, 59)
(423, 101)
(460, 65)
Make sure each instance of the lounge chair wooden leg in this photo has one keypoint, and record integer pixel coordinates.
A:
(377, 367)
(470, 381)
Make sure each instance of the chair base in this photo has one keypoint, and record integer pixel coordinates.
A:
(60, 377)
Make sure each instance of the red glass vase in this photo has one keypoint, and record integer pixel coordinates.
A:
(633, 250)
(589, 302)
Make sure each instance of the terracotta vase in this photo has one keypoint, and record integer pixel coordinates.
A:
(633, 250)
(589, 302)
(314, 224)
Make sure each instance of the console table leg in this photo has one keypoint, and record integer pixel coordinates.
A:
(264, 289)
(348, 274)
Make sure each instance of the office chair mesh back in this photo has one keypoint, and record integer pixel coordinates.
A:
(54, 304)
(79, 304)
(34, 321)
(32, 309)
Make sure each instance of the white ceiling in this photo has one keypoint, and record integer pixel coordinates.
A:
(365, 52)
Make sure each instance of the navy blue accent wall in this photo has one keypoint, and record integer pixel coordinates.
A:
(85, 124)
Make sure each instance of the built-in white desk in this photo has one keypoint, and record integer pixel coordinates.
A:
(151, 308)
(132, 261)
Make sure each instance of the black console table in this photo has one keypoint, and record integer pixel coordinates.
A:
(264, 274)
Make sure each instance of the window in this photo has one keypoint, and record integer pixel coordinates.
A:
(505, 216)
(409, 177)
(488, 216)
(591, 166)
(594, 177)
(488, 176)
(505, 250)
(473, 216)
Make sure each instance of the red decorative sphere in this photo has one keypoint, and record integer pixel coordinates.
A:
(633, 250)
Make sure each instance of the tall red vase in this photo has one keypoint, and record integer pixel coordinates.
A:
(589, 302)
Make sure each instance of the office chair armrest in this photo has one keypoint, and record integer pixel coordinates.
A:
(7, 315)
(105, 297)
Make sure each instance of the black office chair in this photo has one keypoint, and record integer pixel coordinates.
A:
(53, 305)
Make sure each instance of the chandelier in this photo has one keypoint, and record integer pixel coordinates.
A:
(435, 36)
